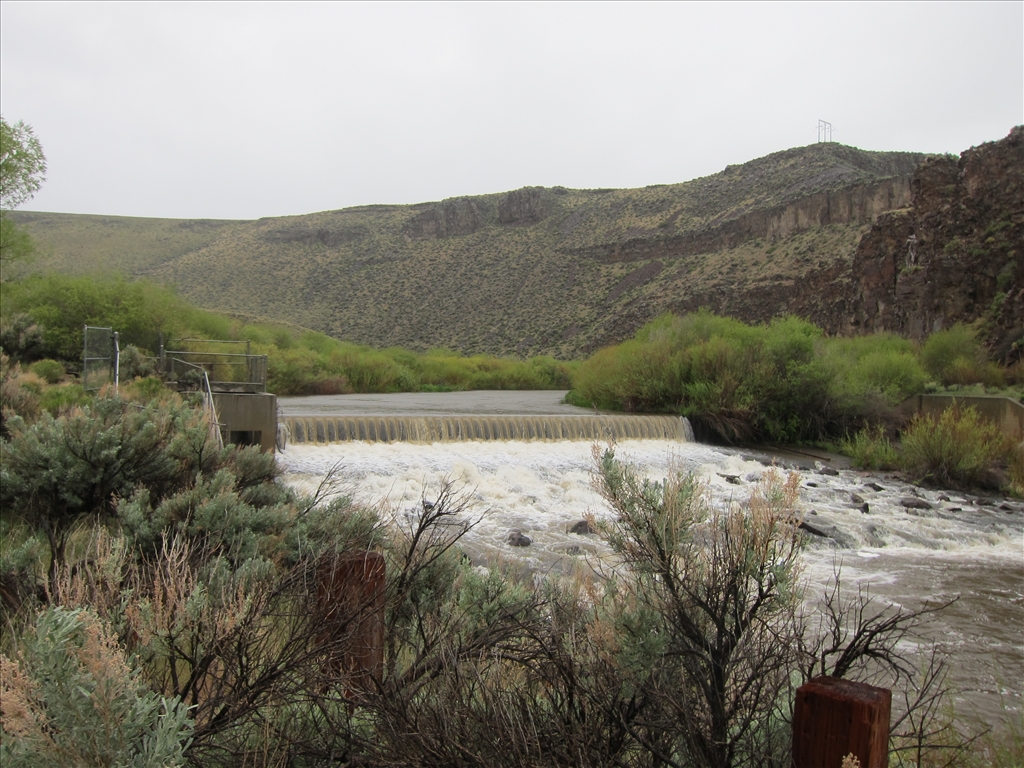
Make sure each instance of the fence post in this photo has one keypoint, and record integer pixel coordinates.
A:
(350, 602)
(834, 718)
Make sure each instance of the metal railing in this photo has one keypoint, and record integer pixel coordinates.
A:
(226, 371)
(209, 405)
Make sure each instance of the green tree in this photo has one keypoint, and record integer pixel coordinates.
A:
(22, 173)
(22, 164)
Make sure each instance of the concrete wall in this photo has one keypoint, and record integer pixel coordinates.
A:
(1008, 414)
(247, 419)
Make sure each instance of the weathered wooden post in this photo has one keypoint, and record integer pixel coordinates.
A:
(350, 599)
(834, 718)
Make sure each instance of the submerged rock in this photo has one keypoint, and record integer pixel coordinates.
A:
(911, 502)
(582, 528)
(812, 530)
(518, 539)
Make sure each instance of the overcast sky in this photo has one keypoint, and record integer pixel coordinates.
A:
(243, 110)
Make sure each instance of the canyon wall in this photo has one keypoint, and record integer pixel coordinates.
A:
(956, 254)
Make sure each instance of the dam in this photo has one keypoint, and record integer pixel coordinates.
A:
(433, 417)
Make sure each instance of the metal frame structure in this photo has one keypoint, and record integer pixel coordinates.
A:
(223, 371)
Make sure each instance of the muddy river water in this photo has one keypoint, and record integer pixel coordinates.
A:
(908, 546)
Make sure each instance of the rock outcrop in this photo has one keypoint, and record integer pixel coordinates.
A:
(956, 254)
(451, 218)
(523, 206)
(861, 203)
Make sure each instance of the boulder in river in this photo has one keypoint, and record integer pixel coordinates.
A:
(518, 539)
(582, 528)
(912, 502)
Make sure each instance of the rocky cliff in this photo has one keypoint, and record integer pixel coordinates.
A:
(956, 254)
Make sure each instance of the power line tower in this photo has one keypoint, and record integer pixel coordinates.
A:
(824, 131)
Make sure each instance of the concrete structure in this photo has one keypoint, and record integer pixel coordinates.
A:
(245, 413)
(247, 418)
(1006, 413)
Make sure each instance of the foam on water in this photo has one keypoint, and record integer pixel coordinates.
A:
(961, 545)
(541, 488)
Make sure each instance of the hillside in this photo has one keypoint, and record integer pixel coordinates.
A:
(536, 270)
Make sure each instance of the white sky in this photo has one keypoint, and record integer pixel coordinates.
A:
(243, 110)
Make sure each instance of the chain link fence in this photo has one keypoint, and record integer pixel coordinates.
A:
(99, 357)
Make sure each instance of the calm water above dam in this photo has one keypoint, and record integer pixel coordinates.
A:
(961, 545)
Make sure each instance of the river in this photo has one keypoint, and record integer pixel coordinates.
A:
(954, 544)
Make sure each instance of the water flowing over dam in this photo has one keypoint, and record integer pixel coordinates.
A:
(906, 544)
(445, 429)
(460, 416)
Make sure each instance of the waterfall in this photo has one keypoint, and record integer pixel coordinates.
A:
(456, 428)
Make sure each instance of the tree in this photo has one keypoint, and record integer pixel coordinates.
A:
(22, 173)
(22, 164)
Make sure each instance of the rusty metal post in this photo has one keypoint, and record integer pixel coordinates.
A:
(834, 718)
(350, 602)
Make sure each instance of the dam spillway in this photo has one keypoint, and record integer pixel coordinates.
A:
(454, 428)
(447, 417)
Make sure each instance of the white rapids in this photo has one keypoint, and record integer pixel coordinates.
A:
(903, 552)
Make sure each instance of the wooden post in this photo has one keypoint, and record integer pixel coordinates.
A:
(834, 718)
(350, 602)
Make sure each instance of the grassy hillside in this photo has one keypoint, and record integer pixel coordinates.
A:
(534, 271)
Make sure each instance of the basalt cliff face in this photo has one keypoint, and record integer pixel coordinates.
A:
(818, 231)
(956, 254)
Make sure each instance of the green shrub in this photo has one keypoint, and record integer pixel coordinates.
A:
(22, 338)
(145, 389)
(132, 364)
(16, 397)
(595, 381)
(952, 355)
(291, 371)
(62, 304)
(895, 374)
(61, 469)
(73, 698)
(1016, 469)
(49, 370)
(782, 382)
(871, 448)
(59, 399)
(956, 448)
